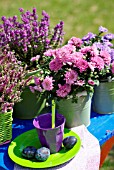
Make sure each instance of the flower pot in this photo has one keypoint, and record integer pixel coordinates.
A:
(103, 98)
(5, 127)
(50, 137)
(76, 113)
(30, 106)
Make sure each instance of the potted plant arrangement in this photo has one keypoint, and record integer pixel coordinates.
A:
(12, 81)
(103, 98)
(69, 78)
(29, 39)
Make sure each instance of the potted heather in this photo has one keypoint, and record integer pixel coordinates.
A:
(69, 77)
(103, 98)
(11, 83)
(29, 39)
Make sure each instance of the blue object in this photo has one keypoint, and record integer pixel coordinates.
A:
(101, 126)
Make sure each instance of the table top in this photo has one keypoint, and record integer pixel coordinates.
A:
(101, 126)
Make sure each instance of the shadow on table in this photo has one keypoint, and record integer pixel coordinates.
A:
(18, 127)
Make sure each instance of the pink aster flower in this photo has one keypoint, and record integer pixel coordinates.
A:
(106, 57)
(75, 41)
(55, 64)
(50, 52)
(38, 88)
(48, 83)
(37, 80)
(82, 65)
(68, 48)
(71, 76)
(91, 82)
(98, 61)
(63, 90)
(35, 58)
(90, 49)
(74, 57)
(80, 82)
(91, 65)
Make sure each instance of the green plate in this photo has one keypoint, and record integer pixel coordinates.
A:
(30, 138)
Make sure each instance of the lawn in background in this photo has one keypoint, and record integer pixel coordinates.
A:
(79, 16)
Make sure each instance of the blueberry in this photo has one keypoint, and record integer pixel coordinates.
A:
(69, 142)
(29, 152)
(42, 154)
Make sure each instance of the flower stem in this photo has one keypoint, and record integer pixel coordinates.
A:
(53, 113)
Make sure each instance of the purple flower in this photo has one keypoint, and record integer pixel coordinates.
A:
(48, 83)
(103, 29)
(88, 37)
(109, 36)
(21, 9)
(30, 37)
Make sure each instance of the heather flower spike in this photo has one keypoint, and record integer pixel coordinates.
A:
(30, 37)
(12, 81)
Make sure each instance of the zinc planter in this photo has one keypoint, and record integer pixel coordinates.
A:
(5, 127)
(50, 137)
(76, 113)
(30, 106)
(103, 98)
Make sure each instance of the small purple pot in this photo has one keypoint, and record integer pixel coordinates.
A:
(50, 137)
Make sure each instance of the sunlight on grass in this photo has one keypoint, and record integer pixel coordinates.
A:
(79, 17)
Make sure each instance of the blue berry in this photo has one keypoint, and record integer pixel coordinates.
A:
(69, 142)
(42, 154)
(29, 152)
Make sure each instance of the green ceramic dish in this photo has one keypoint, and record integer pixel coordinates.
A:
(30, 138)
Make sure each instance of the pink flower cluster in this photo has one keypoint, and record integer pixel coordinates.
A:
(72, 68)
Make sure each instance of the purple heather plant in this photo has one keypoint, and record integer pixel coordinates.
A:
(12, 80)
(30, 38)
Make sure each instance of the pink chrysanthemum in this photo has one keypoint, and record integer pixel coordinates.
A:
(75, 41)
(90, 49)
(50, 52)
(106, 57)
(38, 88)
(82, 65)
(55, 64)
(37, 80)
(98, 61)
(48, 83)
(91, 65)
(71, 76)
(80, 82)
(35, 58)
(64, 90)
(91, 82)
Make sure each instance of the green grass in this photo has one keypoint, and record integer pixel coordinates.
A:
(109, 162)
(79, 16)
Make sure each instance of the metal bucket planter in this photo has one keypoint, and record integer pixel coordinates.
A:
(30, 106)
(103, 98)
(76, 113)
(50, 137)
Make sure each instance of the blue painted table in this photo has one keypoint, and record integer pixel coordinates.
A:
(102, 127)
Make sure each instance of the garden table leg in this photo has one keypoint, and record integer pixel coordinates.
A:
(105, 149)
